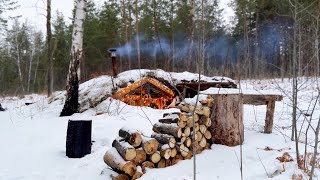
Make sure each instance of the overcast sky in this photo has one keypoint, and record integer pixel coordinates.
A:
(34, 10)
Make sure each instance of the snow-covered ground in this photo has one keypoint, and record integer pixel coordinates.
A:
(33, 137)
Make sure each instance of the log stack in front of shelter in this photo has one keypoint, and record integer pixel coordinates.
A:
(132, 153)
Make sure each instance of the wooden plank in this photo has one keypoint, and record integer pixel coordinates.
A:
(269, 117)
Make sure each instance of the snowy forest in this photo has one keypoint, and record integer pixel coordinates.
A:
(266, 38)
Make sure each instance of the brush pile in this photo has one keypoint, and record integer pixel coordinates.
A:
(174, 138)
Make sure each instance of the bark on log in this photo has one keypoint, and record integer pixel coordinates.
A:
(170, 114)
(172, 129)
(140, 157)
(168, 120)
(113, 159)
(168, 162)
(133, 137)
(164, 139)
(149, 145)
(145, 165)
(227, 122)
(176, 159)
(125, 149)
(120, 177)
(161, 163)
(155, 157)
(138, 173)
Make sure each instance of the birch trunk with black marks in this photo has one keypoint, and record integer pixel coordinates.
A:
(71, 105)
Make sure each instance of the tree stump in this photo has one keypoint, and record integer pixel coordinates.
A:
(227, 119)
(78, 143)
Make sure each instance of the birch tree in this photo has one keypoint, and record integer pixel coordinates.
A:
(71, 103)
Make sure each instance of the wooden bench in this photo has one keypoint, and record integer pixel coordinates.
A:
(227, 116)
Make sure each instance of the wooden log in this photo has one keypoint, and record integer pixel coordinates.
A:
(205, 111)
(113, 159)
(172, 129)
(161, 163)
(165, 139)
(199, 136)
(269, 117)
(168, 120)
(155, 157)
(199, 149)
(227, 121)
(140, 157)
(182, 149)
(187, 142)
(138, 173)
(184, 116)
(207, 134)
(168, 162)
(187, 131)
(149, 145)
(125, 149)
(133, 137)
(189, 122)
(203, 128)
(210, 103)
(170, 115)
(205, 121)
(183, 139)
(120, 177)
(176, 159)
(203, 142)
(184, 107)
(208, 145)
(165, 151)
(189, 155)
(145, 165)
(182, 124)
(173, 152)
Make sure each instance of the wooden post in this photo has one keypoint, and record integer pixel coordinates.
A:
(227, 120)
(269, 117)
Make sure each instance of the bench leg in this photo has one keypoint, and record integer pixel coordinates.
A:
(269, 117)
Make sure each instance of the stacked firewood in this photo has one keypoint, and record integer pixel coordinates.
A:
(174, 138)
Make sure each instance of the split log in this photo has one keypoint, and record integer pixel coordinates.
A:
(205, 121)
(164, 139)
(199, 136)
(196, 127)
(113, 159)
(172, 129)
(173, 152)
(182, 124)
(189, 155)
(155, 157)
(149, 145)
(176, 159)
(207, 134)
(145, 165)
(182, 149)
(120, 177)
(183, 139)
(161, 163)
(187, 131)
(203, 111)
(138, 173)
(187, 142)
(125, 149)
(203, 142)
(184, 107)
(133, 137)
(227, 120)
(184, 116)
(165, 151)
(140, 157)
(203, 128)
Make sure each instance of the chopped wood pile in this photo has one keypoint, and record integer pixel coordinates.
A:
(172, 141)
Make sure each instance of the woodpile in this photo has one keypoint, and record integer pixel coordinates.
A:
(174, 138)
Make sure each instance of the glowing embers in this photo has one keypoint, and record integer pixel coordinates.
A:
(146, 92)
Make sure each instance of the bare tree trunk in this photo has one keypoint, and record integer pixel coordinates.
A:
(130, 35)
(71, 104)
(172, 34)
(30, 65)
(137, 35)
(19, 62)
(191, 38)
(49, 53)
